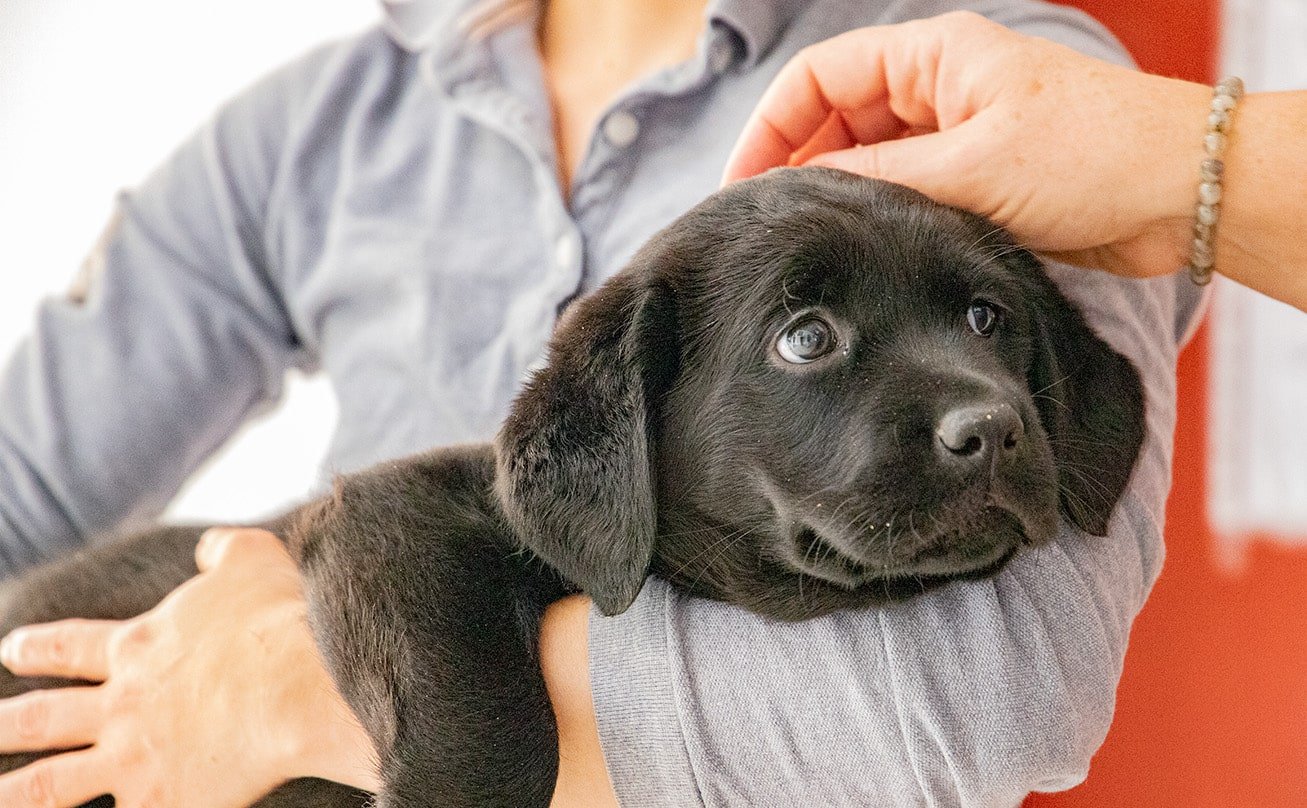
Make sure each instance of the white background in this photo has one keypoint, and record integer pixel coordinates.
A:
(93, 95)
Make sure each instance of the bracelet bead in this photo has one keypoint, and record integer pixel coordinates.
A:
(1202, 257)
(1211, 170)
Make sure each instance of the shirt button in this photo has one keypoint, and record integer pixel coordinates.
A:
(565, 251)
(719, 57)
(621, 128)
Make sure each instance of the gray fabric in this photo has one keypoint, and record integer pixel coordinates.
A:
(392, 218)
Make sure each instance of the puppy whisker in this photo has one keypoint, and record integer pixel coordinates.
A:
(1050, 385)
(725, 538)
(1058, 402)
(733, 540)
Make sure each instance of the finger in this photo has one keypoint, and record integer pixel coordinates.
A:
(43, 720)
(833, 135)
(932, 164)
(61, 781)
(68, 649)
(794, 109)
(880, 81)
(237, 545)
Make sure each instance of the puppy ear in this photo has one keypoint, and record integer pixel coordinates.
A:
(1091, 403)
(575, 477)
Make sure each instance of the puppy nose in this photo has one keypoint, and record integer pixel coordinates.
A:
(978, 432)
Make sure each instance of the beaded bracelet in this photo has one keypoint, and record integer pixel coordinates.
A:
(1208, 211)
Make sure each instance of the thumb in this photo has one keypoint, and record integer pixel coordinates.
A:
(928, 163)
(222, 546)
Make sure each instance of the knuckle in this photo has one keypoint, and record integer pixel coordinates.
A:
(216, 535)
(804, 59)
(124, 700)
(37, 788)
(53, 649)
(869, 158)
(126, 754)
(33, 717)
(214, 542)
(962, 19)
(154, 798)
(129, 757)
(133, 636)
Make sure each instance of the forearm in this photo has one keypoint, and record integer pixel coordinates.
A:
(582, 775)
(334, 747)
(1261, 241)
(1262, 234)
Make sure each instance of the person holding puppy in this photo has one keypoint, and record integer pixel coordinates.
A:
(1086, 161)
(408, 211)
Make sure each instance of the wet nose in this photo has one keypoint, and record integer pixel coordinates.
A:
(977, 433)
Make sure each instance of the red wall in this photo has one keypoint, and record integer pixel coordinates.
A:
(1212, 711)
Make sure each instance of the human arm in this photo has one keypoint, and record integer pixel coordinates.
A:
(564, 648)
(1089, 161)
(119, 393)
(294, 725)
(175, 333)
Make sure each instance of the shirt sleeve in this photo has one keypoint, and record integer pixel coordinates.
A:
(174, 334)
(972, 695)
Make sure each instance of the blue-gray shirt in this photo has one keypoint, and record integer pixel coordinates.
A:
(386, 210)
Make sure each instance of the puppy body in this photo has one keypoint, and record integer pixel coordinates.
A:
(426, 608)
(811, 392)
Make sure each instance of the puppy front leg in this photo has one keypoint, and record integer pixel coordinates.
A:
(427, 618)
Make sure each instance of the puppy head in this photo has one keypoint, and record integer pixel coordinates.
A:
(811, 391)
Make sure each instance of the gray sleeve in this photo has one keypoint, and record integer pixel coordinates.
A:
(175, 334)
(973, 695)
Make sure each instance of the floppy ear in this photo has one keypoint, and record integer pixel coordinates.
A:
(1091, 403)
(575, 477)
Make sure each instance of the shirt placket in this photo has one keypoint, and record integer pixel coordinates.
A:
(498, 83)
(495, 84)
(614, 147)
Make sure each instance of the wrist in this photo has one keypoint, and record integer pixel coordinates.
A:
(1153, 172)
(1261, 202)
(320, 735)
(1173, 158)
(336, 748)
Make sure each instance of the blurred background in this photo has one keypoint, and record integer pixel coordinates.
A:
(1213, 704)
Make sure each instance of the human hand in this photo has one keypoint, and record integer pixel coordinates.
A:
(212, 698)
(1092, 163)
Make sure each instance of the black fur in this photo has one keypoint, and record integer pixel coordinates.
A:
(668, 435)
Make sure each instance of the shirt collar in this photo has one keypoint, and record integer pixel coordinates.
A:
(419, 25)
(757, 23)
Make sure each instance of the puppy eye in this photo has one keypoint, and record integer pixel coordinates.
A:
(982, 317)
(806, 341)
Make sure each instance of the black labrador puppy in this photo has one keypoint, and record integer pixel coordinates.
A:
(811, 392)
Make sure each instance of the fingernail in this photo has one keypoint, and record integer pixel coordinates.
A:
(9, 649)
